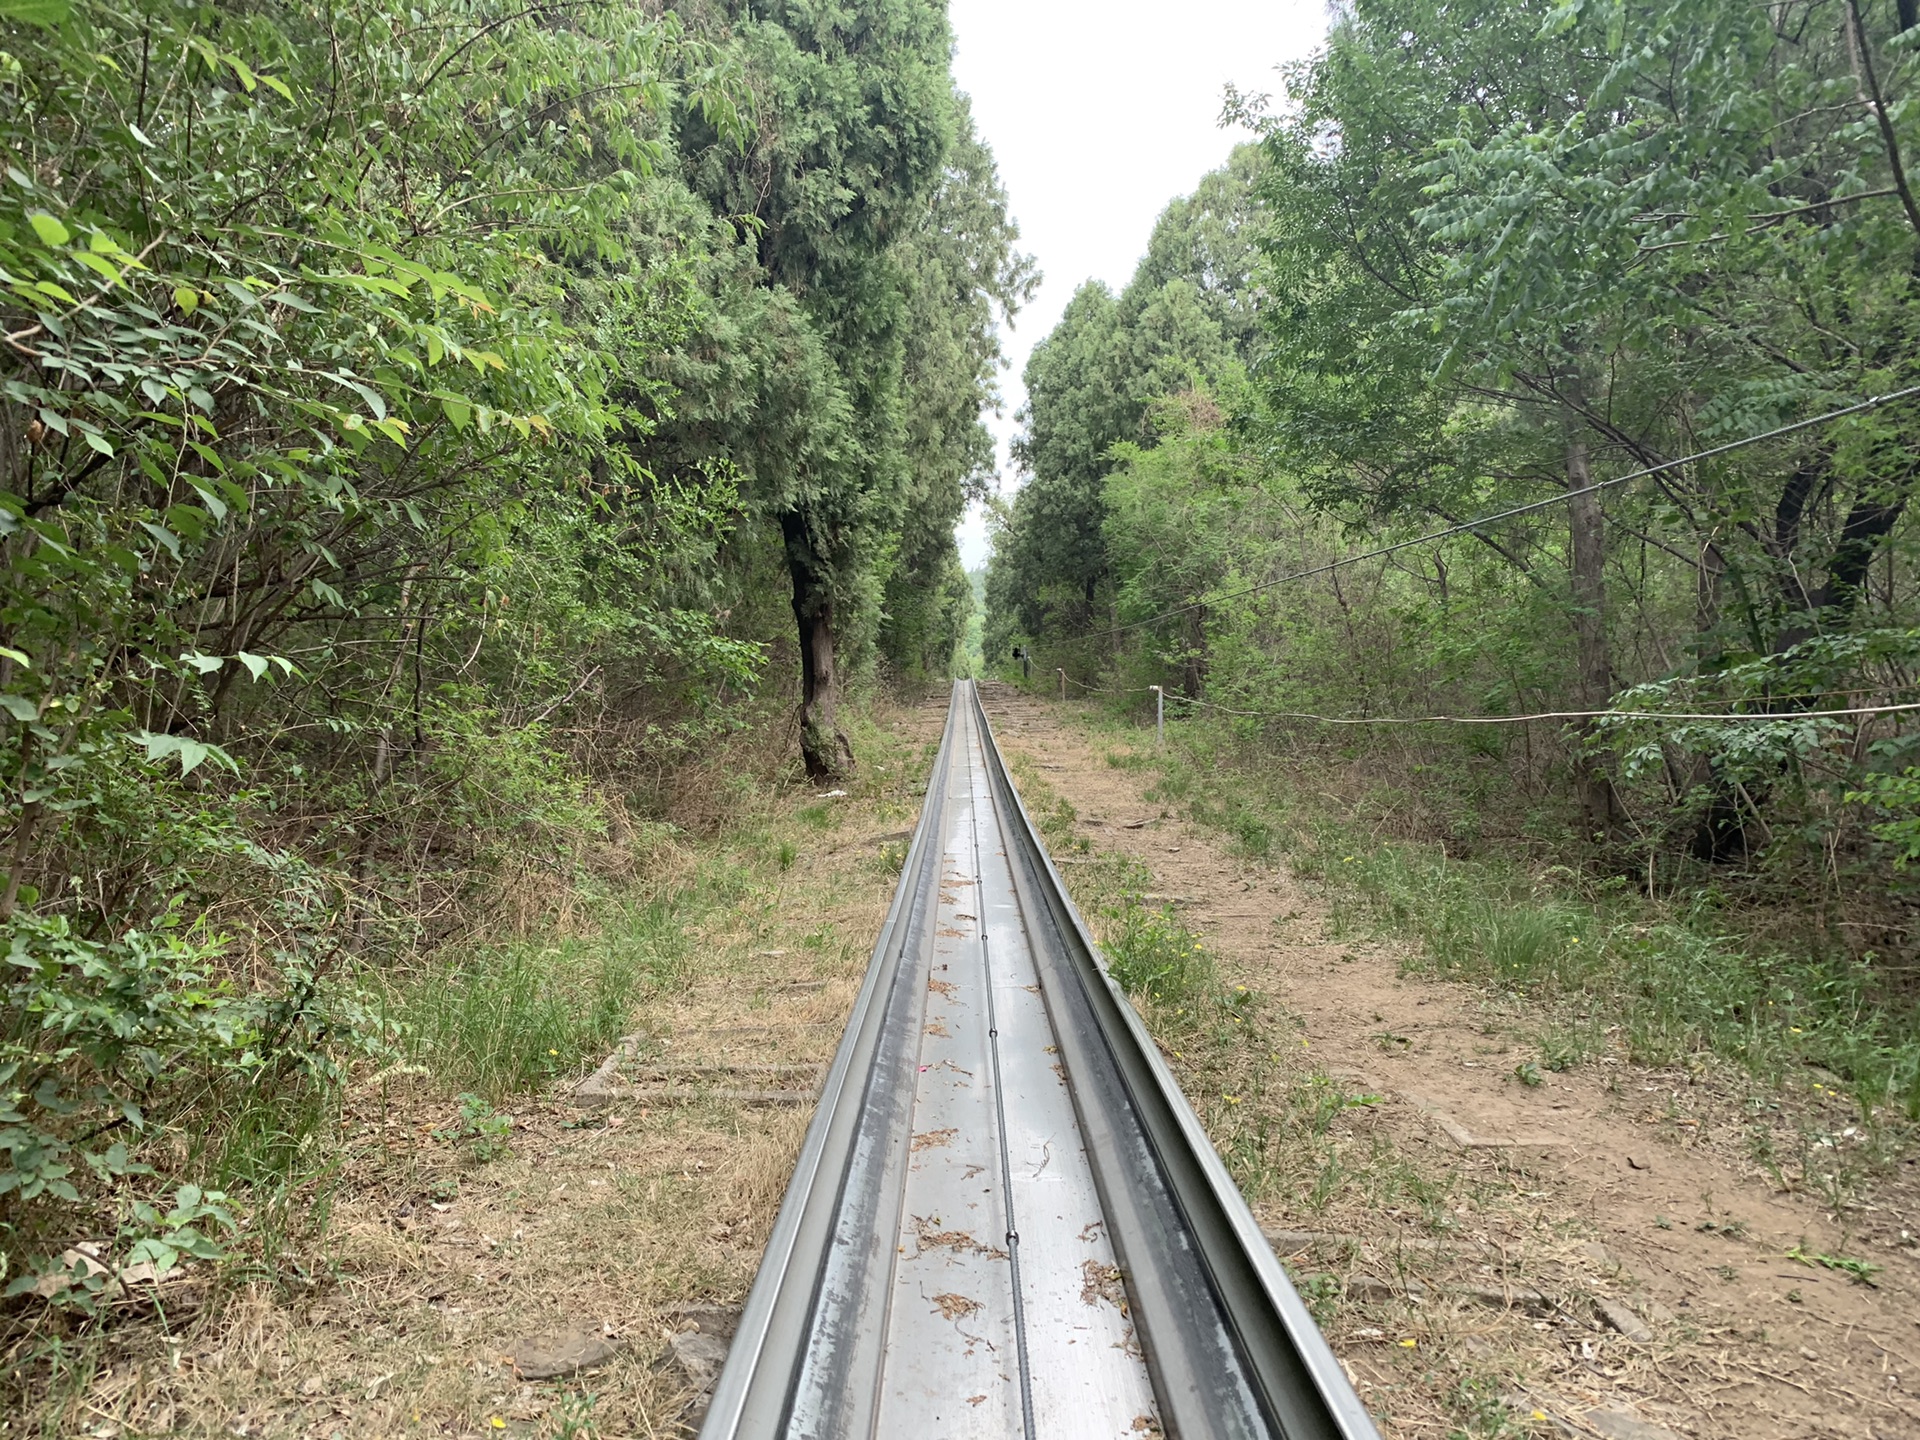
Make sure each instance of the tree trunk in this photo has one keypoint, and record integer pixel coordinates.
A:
(823, 746)
(1586, 527)
(1193, 665)
(1870, 520)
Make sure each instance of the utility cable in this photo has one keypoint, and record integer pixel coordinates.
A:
(1755, 716)
(1872, 403)
(1747, 715)
(1502, 719)
(1108, 689)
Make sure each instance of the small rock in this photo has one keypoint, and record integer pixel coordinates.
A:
(547, 1357)
(1624, 1425)
(1623, 1320)
(708, 1318)
(699, 1357)
(1600, 1255)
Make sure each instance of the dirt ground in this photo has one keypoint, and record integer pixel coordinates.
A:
(451, 1280)
(1604, 1189)
(1464, 1237)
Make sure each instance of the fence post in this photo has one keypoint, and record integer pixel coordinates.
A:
(1063, 681)
(1159, 716)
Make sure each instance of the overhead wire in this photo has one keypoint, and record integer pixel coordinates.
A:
(1756, 716)
(1465, 526)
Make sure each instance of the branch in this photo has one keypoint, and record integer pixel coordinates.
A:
(1761, 222)
(1870, 88)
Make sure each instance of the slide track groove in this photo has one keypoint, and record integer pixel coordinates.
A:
(1006, 1220)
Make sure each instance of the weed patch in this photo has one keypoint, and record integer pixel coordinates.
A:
(509, 1018)
(1664, 981)
(1150, 954)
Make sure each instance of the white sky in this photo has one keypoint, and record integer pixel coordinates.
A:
(1099, 112)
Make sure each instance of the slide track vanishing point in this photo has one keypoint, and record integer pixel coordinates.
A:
(1006, 1220)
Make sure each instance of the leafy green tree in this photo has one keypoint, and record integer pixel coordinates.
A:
(856, 118)
(1562, 240)
(963, 275)
(318, 363)
(1185, 318)
(1051, 560)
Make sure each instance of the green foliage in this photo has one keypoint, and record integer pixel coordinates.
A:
(409, 433)
(504, 1020)
(1861, 1272)
(1676, 979)
(155, 1239)
(91, 1024)
(1100, 381)
(1896, 797)
(107, 1040)
(864, 302)
(1151, 954)
(479, 1129)
(1483, 255)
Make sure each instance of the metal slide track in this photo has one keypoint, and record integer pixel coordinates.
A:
(1006, 1220)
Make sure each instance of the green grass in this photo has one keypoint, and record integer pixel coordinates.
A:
(1670, 980)
(505, 1019)
(1152, 955)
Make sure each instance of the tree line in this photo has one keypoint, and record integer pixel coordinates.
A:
(421, 424)
(1481, 256)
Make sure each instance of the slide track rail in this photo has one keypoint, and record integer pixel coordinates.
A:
(1006, 1219)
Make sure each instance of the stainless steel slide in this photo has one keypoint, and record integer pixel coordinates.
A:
(1006, 1220)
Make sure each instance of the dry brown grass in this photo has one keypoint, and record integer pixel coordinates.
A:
(435, 1260)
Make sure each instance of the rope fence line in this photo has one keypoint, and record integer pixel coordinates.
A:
(1750, 716)
(1756, 716)
(1871, 403)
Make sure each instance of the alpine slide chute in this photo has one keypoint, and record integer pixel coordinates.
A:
(1006, 1220)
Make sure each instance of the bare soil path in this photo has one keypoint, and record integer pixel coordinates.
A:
(1595, 1252)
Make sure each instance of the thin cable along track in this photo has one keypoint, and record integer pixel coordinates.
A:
(1006, 1220)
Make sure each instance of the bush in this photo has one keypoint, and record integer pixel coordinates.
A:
(104, 1039)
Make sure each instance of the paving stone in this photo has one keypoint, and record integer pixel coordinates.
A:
(699, 1357)
(1623, 1320)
